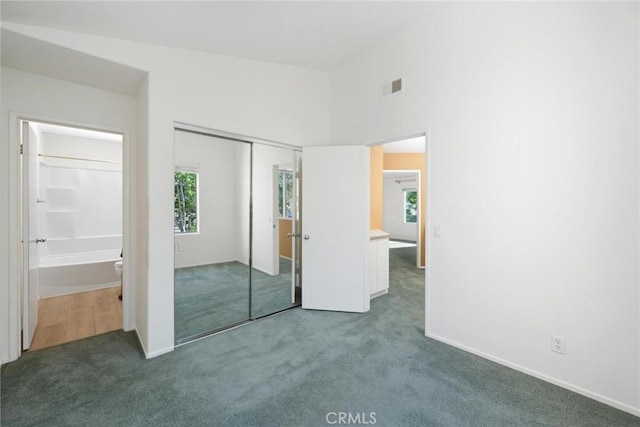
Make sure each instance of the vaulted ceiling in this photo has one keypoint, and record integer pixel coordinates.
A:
(309, 34)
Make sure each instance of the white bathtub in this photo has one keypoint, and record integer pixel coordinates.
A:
(70, 273)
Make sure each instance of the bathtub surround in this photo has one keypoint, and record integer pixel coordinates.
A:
(291, 370)
(80, 208)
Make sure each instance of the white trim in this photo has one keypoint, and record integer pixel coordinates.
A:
(209, 263)
(584, 392)
(427, 229)
(156, 353)
(14, 219)
(177, 125)
(379, 293)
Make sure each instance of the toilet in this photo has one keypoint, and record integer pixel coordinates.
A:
(118, 267)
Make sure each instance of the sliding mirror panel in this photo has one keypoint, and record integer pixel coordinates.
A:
(212, 192)
(275, 230)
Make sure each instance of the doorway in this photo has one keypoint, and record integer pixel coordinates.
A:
(398, 183)
(71, 233)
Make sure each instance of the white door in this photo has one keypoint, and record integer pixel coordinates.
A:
(335, 228)
(30, 237)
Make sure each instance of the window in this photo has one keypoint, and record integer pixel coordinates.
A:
(285, 189)
(185, 202)
(410, 206)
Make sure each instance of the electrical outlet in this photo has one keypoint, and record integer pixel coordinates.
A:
(558, 344)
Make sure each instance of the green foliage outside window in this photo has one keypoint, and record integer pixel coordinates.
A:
(185, 202)
(410, 206)
(285, 189)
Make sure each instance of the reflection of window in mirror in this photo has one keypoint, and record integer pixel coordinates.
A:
(410, 205)
(185, 202)
(285, 189)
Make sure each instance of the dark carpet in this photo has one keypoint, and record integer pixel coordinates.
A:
(210, 297)
(292, 369)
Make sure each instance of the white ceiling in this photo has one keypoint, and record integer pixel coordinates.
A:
(39, 57)
(309, 34)
(411, 145)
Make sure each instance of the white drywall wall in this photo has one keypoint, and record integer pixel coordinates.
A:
(265, 100)
(533, 116)
(60, 101)
(393, 210)
(217, 238)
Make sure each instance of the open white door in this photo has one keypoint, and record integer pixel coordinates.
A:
(30, 238)
(335, 228)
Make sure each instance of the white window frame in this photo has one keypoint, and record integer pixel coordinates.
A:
(283, 197)
(196, 171)
(404, 204)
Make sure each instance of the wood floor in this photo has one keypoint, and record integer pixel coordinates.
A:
(72, 317)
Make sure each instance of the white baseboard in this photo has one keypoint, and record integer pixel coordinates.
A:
(208, 263)
(595, 396)
(156, 353)
(377, 294)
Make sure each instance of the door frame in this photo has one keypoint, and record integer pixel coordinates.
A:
(426, 133)
(16, 227)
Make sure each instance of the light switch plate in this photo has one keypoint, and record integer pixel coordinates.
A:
(437, 232)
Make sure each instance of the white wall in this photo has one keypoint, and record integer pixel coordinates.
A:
(533, 116)
(218, 229)
(140, 245)
(393, 210)
(265, 100)
(59, 101)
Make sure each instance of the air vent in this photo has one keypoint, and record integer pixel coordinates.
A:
(392, 88)
(396, 86)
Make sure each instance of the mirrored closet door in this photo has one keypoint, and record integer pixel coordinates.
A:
(237, 232)
(275, 222)
(212, 229)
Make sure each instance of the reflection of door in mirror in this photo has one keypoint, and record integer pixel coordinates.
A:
(211, 226)
(274, 236)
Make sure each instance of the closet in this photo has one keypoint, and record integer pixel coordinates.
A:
(237, 231)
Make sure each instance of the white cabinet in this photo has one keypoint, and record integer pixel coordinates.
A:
(378, 268)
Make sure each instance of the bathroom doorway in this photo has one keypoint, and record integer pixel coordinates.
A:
(72, 233)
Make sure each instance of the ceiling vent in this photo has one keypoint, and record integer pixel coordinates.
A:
(392, 88)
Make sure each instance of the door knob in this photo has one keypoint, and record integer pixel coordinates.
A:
(306, 237)
(289, 235)
(40, 241)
